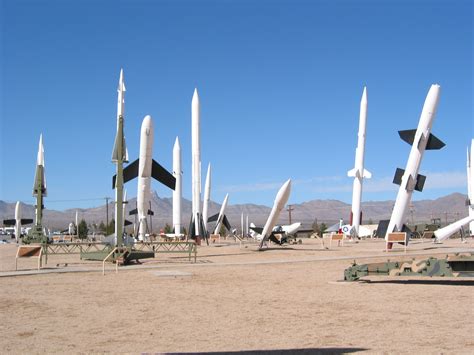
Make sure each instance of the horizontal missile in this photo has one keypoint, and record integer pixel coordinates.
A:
(445, 232)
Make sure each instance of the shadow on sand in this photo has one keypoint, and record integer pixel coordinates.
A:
(463, 282)
(320, 351)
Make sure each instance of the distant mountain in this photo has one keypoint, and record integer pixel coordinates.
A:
(450, 208)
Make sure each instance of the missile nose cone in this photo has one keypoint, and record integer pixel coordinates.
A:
(284, 192)
(147, 125)
(176, 144)
(17, 210)
(40, 158)
(364, 95)
(121, 85)
(195, 97)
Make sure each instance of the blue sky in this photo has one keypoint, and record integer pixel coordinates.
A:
(279, 81)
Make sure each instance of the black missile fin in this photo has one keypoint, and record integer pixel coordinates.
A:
(192, 227)
(9, 222)
(407, 135)
(132, 212)
(258, 230)
(226, 223)
(420, 182)
(129, 172)
(127, 222)
(26, 221)
(434, 143)
(162, 175)
(213, 218)
(397, 179)
(150, 213)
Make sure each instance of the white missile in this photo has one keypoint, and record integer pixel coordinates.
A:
(445, 232)
(359, 173)
(177, 193)
(77, 223)
(17, 220)
(196, 165)
(144, 175)
(207, 195)
(470, 185)
(409, 179)
(220, 219)
(280, 201)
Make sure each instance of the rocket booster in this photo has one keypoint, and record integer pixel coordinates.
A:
(39, 188)
(177, 193)
(359, 173)
(196, 163)
(420, 140)
(470, 185)
(221, 214)
(207, 195)
(445, 232)
(280, 201)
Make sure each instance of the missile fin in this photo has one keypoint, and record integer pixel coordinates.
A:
(226, 223)
(367, 174)
(26, 221)
(397, 179)
(133, 212)
(258, 230)
(150, 213)
(352, 173)
(434, 143)
(162, 175)
(127, 223)
(420, 182)
(213, 218)
(407, 135)
(9, 222)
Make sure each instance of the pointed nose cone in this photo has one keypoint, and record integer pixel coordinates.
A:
(284, 193)
(177, 146)
(364, 96)
(40, 158)
(17, 210)
(121, 85)
(195, 101)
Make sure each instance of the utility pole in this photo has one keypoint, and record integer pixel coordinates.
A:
(289, 209)
(107, 213)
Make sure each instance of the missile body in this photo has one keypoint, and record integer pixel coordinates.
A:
(77, 224)
(207, 195)
(196, 165)
(280, 201)
(144, 175)
(359, 173)
(409, 179)
(119, 156)
(221, 215)
(177, 193)
(17, 221)
(39, 189)
(445, 232)
(470, 185)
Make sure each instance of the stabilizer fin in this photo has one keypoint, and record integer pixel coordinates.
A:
(150, 213)
(133, 212)
(434, 143)
(407, 135)
(9, 222)
(213, 218)
(397, 179)
(352, 173)
(26, 221)
(367, 174)
(162, 175)
(129, 172)
(226, 223)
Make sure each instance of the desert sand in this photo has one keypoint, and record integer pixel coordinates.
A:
(284, 300)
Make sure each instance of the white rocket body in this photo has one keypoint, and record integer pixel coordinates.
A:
(470, 185)
(17, 221)
(196, 162)
(177, 193)
(77, 223)
(359, 173)
(207, 195)
(409, 178)
(144, 175)
(445, 232)
(280, 201)
(220, 218)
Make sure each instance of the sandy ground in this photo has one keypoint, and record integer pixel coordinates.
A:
(236, 299)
